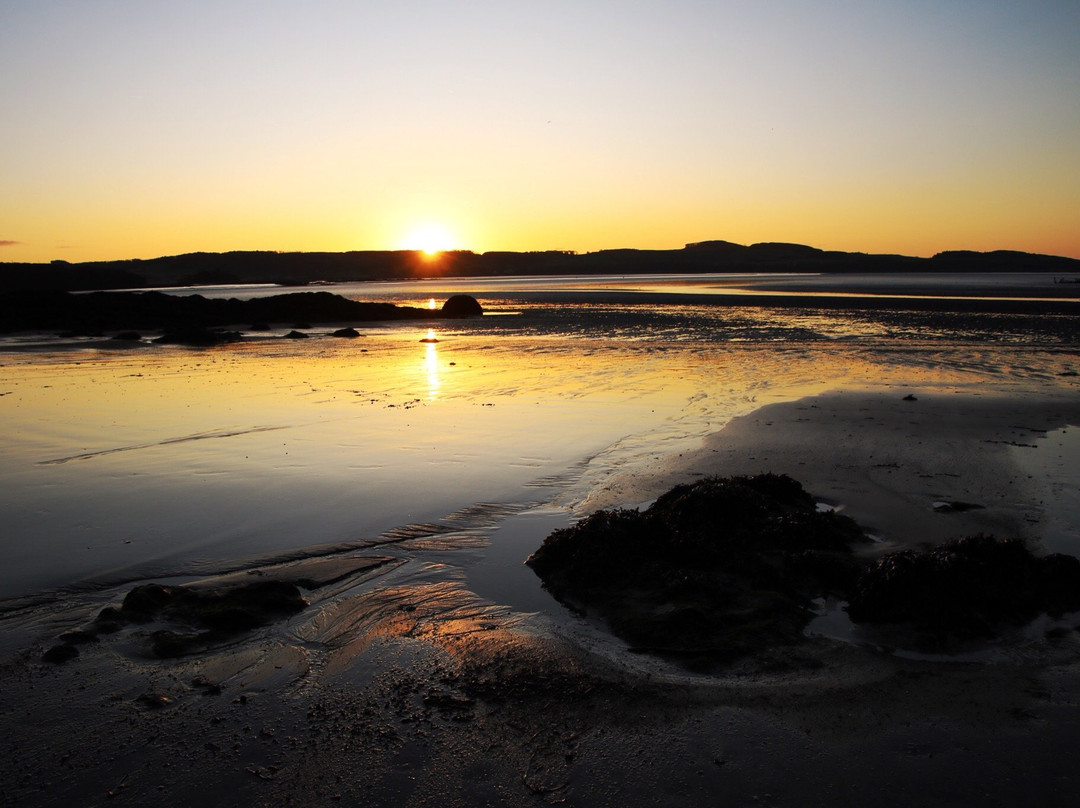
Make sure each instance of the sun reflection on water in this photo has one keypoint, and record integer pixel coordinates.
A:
(431, 363)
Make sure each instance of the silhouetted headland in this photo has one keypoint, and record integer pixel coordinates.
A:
(293, 268)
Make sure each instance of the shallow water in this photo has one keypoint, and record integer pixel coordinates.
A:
(1055, 458)
(118, 464)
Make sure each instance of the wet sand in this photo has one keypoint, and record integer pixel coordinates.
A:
(399, 686)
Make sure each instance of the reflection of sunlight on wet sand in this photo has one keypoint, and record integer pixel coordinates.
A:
(324, 441)
(431, 364)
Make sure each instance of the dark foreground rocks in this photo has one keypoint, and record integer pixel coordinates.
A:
(972, 587)
(197, 618)
(709, 572)
(724, 568)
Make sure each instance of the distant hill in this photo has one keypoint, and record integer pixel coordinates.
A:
(303, 268)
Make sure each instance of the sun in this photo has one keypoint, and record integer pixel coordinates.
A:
(429, 239)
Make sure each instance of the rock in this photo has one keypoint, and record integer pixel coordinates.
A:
(943, 506)
(462, 306)
(60, 654)
(349, 333)
(155, 701)
(78, 637)
(711, 571)
(170, 644)
(233, 608)
(220, 613)
(296, 335)
(198, 337)
(967, 588)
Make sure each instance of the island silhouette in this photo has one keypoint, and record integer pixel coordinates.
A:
(302, 268)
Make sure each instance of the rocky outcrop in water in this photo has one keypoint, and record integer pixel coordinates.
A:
(972, 587)
(726, 567)
(710, 571)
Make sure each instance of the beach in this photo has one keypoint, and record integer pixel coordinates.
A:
(429, 667)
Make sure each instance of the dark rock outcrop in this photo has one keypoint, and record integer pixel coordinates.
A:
(726, 567)
(710, 571)
(968, 588)
(237, 608)
(59, 654)
(213, 615)
(198, 337)
(121, 311)
(459, 306)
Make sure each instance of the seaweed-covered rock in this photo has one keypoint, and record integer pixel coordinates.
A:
(968, 588)
(710, 571)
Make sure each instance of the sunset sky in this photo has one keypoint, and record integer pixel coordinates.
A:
(137, 128)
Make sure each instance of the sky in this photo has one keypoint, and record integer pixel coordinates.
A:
(139, 128)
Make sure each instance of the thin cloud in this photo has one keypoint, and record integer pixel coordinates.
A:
(8, 243)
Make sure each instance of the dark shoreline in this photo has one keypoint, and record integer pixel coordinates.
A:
(303, 268)
(95, 313)
(98, 312)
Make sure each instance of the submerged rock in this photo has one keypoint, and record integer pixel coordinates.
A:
(710, 571)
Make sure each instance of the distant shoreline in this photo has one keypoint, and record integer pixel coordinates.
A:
(296, 268)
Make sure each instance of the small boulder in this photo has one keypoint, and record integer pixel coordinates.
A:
(459, 306)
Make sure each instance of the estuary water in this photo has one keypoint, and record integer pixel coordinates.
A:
(126, 462)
